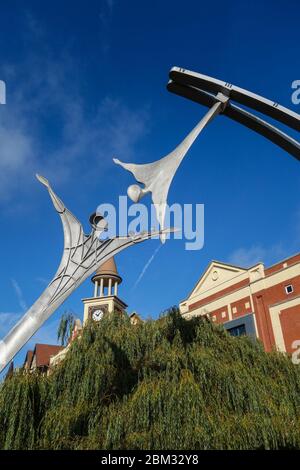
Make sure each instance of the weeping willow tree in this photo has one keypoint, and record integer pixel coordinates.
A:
(65, 327)
(164, 384)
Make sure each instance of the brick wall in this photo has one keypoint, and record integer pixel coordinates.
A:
(241, 307)
(220, 315)
(290, 324)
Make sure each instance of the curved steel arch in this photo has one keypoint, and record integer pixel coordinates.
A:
(204, 90)
(156, 177)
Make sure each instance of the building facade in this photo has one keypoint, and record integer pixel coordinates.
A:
(39, 359)
(260, 301)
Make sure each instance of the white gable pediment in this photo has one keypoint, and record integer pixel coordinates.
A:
(216, 274)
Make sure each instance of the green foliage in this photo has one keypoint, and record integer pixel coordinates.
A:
(65, 327)
(164, 384)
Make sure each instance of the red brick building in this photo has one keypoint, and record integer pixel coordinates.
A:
(259, 301)
(39, 358)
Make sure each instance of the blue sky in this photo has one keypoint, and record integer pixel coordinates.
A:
(86, 81)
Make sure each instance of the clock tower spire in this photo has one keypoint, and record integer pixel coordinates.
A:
(106, 281)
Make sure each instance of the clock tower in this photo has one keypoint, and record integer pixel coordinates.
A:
(106, 282)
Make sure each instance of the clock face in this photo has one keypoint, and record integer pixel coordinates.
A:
(97, 315)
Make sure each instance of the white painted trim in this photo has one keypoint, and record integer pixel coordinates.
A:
(277, 278)
(275, 312)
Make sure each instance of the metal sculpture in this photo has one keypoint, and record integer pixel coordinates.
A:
(217, 95)
(82, 255)
(204, 90)
(157, 176)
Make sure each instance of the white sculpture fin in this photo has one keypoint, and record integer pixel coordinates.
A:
(73, 230)
(157, 176)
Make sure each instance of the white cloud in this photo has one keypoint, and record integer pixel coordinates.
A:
(7, 321)
(42, 280)
(85, 143)
(44, 98)
(19, 295)
(247, 257)
(16, 151)
(113, 130)
(47, 334)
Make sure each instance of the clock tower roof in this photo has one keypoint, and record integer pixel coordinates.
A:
(107, 270)
(105, 300)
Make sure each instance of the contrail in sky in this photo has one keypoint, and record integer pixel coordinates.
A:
(146, 266)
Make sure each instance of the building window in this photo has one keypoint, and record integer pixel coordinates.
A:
(247, 305)
(214, 318)
(234, 310)
(223, 314)
(289, 289)
(237, 330)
